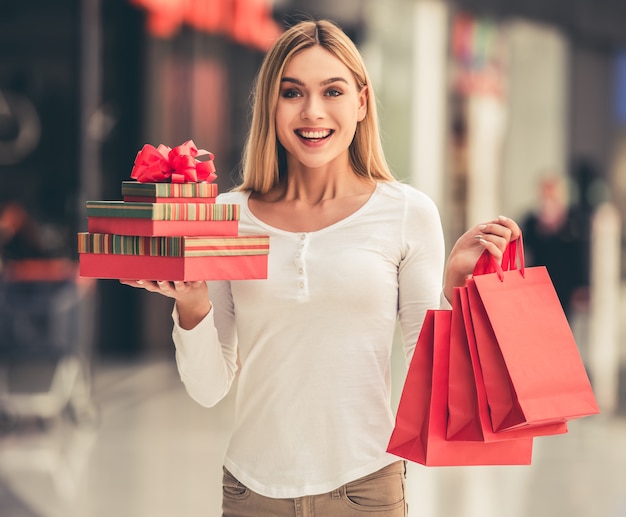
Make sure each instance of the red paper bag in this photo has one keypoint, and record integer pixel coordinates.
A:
(533, 372)
(419, 434)
(468, 411)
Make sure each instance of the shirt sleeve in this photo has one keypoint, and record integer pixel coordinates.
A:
(420, 273)
(206, 356)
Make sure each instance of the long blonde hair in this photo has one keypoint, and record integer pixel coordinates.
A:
(264, 162)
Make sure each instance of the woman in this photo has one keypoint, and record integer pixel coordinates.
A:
(351, 252)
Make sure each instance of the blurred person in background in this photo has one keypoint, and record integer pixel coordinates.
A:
(555, 236)
(352, 251)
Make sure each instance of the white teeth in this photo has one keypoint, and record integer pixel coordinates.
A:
(314, 135)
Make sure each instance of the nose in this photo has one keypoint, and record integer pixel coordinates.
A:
(313, 109)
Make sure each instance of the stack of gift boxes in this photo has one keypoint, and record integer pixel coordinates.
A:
(166, 230)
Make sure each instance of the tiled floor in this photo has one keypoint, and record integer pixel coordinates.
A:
(156, 453)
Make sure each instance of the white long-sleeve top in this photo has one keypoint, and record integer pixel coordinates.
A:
(313, 342)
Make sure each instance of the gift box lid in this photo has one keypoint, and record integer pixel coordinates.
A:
(164, 211)
(201, 189)
(168, 246)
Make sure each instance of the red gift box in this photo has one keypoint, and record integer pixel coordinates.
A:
(173, 258)
(152, 219)
(241, 267)
(148, 227)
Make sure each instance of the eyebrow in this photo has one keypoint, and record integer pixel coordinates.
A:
(325, 82)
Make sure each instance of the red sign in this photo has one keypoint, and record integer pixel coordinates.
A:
(248, 22)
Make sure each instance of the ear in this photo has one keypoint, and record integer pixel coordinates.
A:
(362, 107)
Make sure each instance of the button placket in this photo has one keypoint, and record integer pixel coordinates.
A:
(301, 247)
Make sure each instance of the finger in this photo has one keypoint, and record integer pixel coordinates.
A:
(180, 286)
(495, 248)
(150, 285)
(165, 286)
(133, 283)
(494, 233)
(512, 226)
(496, 229)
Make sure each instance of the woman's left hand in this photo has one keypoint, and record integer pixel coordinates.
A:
(492, 236)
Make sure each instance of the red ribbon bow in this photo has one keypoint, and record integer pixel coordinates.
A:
(177, 165)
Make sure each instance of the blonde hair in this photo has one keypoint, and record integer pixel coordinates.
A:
(264, 162)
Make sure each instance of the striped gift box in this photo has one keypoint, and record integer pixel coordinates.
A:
(172, 246)
(173, 258)
(135, 191)
(164, 211)
(149, 219)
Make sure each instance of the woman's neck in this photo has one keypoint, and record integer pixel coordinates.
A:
(315, 186)
(309, 200)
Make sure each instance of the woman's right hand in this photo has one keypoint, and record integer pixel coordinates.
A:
(192, 298)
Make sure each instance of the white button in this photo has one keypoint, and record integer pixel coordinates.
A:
(300, 270)
(298, 255)
(301, 285)
(302, 236)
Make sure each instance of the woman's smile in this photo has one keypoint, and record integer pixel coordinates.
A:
(314, 135)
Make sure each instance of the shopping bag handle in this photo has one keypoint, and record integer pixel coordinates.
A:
(512, 258)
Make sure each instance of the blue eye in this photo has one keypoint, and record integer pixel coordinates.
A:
(290, 93)
(333, 92)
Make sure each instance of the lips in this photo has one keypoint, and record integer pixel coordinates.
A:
(314, 135)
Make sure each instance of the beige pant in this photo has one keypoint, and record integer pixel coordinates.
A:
(380, 494)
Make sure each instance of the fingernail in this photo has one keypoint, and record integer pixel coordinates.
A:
(503, 218)
(482, 227)
(140, 282)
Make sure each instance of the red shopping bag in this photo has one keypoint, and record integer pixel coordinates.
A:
(468, 411)
(533, 372)
(419, 434)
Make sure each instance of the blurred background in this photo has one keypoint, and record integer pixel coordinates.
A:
(490, 106)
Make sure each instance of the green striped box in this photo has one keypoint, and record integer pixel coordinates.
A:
(168, 190)
(164, 211)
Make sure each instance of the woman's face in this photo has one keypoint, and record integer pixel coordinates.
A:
(318, 108)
